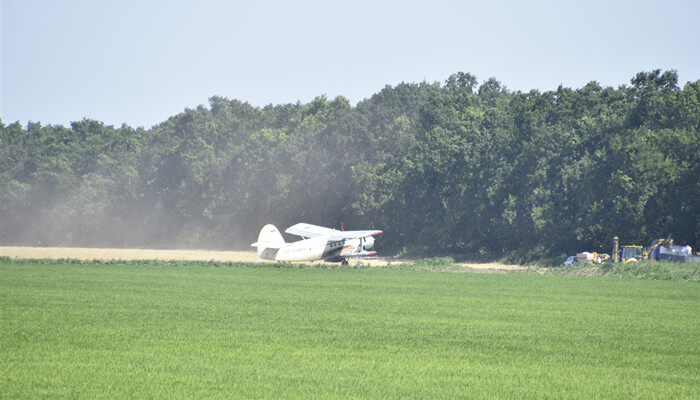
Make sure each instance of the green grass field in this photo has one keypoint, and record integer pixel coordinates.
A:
(192, 331)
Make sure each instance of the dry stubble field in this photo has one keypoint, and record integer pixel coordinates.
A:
(83, 253)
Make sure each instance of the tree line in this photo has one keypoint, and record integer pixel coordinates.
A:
(454, 167)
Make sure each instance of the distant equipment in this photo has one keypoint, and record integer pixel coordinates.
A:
(659, 249)
(318, 243)
(570, 261)
(594, 257)
(631, 254)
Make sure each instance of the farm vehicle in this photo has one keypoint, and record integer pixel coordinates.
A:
(659, 249)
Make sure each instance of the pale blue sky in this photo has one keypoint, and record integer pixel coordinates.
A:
(140, 62)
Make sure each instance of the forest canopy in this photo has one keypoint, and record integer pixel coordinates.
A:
(456, 167)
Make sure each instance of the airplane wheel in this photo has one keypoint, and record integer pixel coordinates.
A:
(344, 263)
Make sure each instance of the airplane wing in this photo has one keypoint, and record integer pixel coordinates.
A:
(309, 231)
(363, 253)
(357, 234)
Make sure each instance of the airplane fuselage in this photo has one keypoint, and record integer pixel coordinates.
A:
(318, 248)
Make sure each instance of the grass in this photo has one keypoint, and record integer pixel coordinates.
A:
(658, 270)
(193, 330)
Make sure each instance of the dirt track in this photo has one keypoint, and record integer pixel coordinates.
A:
(83, 253)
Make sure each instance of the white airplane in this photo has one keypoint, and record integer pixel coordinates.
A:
(318, 243)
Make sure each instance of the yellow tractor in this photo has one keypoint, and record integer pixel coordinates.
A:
(639, 253)
(631, 254)
(668, 243)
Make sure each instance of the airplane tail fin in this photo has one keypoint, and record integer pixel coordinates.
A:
(269, 238)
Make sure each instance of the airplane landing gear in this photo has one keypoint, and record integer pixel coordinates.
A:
(355, 262)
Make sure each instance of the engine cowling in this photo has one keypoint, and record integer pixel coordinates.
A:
(367, 242)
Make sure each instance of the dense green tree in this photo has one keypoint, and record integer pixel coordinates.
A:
(459, 167)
